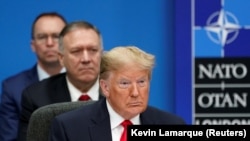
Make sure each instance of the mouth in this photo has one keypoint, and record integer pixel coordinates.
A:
(50, 53)
(135, 104)
(85, 70)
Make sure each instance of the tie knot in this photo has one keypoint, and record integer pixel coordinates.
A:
(84, 97)
(125, 123)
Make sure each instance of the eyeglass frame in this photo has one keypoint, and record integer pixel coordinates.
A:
(43, 38)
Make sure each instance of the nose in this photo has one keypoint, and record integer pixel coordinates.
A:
(49, 41)
(134, 89)
(85, 56)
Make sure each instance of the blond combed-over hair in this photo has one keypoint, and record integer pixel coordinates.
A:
(120, 56)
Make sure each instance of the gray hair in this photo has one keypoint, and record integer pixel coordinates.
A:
(77, 25)
(125, 55)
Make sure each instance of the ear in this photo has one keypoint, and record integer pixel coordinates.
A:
(104, 87)
(32, 44)
(60, 58)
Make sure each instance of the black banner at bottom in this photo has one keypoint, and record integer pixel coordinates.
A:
(189, 132)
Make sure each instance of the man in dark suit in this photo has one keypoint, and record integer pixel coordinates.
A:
(44, 42)
(80, 51)
(125, 81)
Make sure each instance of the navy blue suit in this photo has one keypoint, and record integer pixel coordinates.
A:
(92, 122)
(48, 91)
(10, 106)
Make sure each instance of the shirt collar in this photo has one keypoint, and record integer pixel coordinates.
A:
(116, 119)
(76, 93)
(42, 74)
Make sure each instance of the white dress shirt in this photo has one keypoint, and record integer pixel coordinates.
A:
(93, 93)
(115, 122)
(43, 74)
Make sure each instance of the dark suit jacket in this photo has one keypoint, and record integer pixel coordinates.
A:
(10, 106)
(92, 123)
(48, 91)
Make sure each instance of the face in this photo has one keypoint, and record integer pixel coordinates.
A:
(82, 56)
(127, 91)
(45, 42)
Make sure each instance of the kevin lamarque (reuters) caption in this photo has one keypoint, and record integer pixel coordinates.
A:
(189, 132)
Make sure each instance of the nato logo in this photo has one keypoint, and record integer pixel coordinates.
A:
(221, 29)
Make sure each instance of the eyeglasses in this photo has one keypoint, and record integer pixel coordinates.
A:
(124, 84)
(43, 38)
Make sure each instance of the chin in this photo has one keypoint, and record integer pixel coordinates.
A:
(87, 78)
(137, 110)
(52, 61)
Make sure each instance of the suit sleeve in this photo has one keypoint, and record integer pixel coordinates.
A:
(8, 114)
(26, 111)
(56, 131)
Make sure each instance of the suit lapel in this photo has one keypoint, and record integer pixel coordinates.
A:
(32, 75)
(100, 129)
(145, 117)
(61, 91)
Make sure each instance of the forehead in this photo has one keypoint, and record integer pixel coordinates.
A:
(82, 35)
(130, 73)
(49, 23)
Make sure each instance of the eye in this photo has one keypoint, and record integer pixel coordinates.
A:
(93, 50)
(42, 36)
(142, 82)
(124, 84)
(76, 52)
(55, 36)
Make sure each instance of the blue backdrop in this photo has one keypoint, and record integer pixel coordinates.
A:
(147, 24)
(211, 33)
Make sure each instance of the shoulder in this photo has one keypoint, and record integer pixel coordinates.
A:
(46, 90)
(159, 116)
(93, 110)
(48, 82)
(25, 75)
(82, 113)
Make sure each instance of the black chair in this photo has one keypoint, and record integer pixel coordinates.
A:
(39, 124)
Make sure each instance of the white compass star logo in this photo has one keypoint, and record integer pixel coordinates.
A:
(223, 24)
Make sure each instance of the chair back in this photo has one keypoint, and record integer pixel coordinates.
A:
(40, 120)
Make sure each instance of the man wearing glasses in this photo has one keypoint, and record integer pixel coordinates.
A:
(44, 43)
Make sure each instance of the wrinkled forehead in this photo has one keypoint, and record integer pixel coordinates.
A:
(132, 72)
